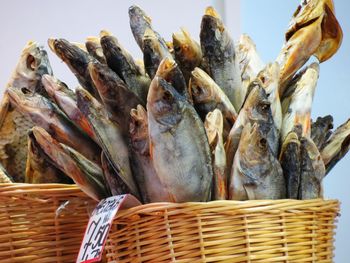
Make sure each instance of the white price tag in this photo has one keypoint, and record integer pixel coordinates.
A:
(100, 222)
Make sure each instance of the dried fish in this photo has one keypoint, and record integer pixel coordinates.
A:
(220, 57)
(256, 173)
(176, 132)
(214, 128)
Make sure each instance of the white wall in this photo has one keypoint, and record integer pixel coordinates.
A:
(266, 22)
(75, 20)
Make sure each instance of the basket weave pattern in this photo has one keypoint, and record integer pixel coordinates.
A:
(30, 228)
(225, 231)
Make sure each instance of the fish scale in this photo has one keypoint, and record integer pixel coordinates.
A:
(13, 143)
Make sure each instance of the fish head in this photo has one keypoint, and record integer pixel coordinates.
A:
(185, 46)
(164, 103)
(27, 102)
(71, 54)
(103, 78)
(137, 15)
(166, 66)
(254, 146)
(87, 103)
(214, 125)
(269, 77)
(212, 33)
(139, 130)
(199, 89)
(257, 106)
(152, 44)
(33, 63)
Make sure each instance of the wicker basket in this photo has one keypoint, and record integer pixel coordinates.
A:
(30, 228)
(225, 231)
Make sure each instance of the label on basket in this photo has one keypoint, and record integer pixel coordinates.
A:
(100, 222)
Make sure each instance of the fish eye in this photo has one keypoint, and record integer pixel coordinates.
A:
(30, 62)
(263, 142)
(177, 48)
(25, 90)
(167, 96)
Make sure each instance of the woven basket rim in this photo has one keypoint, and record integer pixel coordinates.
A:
(15, 189)
(228, 206)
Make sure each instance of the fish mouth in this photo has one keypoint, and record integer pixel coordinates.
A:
(105, 33)
(210, 11)
(166, 66)
(51, 43)
(135, 11)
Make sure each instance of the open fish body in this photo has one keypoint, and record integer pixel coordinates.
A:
(313, 30)
(14, 126)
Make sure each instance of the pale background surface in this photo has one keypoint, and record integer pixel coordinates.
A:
(265, 21)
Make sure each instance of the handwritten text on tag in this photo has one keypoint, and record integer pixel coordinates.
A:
(100, 222)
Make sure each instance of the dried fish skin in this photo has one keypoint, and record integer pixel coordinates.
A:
(321, 130)
(93, 46)
(291, 164)
(116, 97)
(214, 125)
(269, 78)
(336, 146)
(312, 171)
(313, 30)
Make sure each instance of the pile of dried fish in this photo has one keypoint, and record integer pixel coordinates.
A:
(191, 122)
